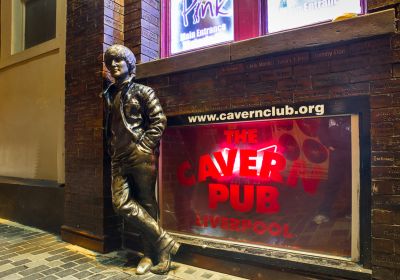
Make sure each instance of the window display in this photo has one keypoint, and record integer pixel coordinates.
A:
(283, 183)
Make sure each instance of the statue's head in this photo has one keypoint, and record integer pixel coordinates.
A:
(120, 53)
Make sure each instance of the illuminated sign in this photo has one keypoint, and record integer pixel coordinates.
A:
(287, 14)
(284, 183)
(200, 23)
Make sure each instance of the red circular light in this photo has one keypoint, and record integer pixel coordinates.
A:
(291, 149)
(314, 151)
(309, 126)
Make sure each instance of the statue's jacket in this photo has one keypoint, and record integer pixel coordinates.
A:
(141, 114)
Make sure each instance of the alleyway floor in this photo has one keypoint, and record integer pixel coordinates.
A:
(29, 253)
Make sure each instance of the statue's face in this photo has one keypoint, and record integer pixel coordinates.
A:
(119, 69)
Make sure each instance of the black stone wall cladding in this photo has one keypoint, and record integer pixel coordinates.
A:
(38, 206)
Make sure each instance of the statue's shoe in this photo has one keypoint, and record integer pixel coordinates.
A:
(168, 247)
(144, 266)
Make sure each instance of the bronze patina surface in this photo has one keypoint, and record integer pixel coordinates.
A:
(134, 125)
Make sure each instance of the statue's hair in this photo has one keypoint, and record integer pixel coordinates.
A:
(122, 52)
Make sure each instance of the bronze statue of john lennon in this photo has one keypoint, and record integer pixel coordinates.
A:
(134, 124)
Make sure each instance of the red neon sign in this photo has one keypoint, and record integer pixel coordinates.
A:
(254, 181)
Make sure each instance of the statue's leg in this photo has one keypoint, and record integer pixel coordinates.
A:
(146, 198)
(135, 214)
(125, 205)
(144, 174)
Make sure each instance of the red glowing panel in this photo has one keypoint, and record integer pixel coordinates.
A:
(278, 183)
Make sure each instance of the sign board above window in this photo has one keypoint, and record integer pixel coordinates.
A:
(200, 23)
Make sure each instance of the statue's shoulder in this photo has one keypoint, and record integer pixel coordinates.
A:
(109, 90)
(140, 89)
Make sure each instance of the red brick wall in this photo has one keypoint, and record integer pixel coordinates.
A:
(385, 102)
(142, 28)
(89, 219)
(369, 67)
(93, 26)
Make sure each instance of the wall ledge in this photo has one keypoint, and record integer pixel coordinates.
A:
(98, 243)
(29, 182)
(365, 26)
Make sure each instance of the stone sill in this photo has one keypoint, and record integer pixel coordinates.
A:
(5, 180)
(369, 25)
(292, 260)
(43, 49)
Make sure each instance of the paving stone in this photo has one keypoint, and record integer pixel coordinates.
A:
(6, 266)
(96, 277)
(27, 245)
(60, 256)
(18, 258)
(12, 271)
(53, 258)
(6, 252)
(69, 265)
(36, 263)
(120, 277)
(55, 252)
(207, 275)
(83, 260)
(34, 276)
(52, 270)
(26, 251)
(18, 249)
(40, 251)
(66, 272)
(4, 257)
(50, 277)
(33, 270)
(83, 274)
(69, 277)
(55, 263)
(13, 277)
(97, 269)
(38, 239)
(14, 246)
(71, 258)
(82, 267)
(52, 243)
(58, 245)
(3, 262)
(24, 261)
(157, 277)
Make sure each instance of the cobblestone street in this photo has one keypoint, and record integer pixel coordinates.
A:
(29, 253)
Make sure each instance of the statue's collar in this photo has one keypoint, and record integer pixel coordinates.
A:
(124, 84)
(113, 87)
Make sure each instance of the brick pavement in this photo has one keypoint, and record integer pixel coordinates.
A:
(29, 253)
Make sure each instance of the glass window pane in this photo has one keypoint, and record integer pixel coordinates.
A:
(280, 183)
(287, 14)
(40, 21)
(200, 23)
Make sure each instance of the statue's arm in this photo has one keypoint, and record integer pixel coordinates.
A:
(157, 122)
